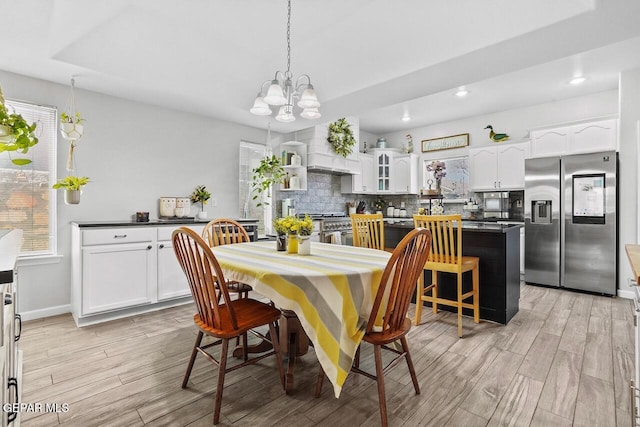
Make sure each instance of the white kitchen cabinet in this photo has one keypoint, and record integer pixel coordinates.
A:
(119, 271)
(498, 167)
(172, 282)
(592, 137)
(363, 182)
(383, 165)
(287, 149)
(588, 137)
(118, 275)
(404, 178)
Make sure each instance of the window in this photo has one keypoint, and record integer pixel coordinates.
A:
(250, 156)
(27, 200)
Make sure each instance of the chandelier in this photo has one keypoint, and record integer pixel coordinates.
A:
(281, 91)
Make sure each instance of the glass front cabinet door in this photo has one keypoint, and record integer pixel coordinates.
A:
(383, 163)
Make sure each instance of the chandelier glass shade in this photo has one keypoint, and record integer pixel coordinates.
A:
(281, 92)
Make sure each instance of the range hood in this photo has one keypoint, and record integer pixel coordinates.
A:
(320, 154)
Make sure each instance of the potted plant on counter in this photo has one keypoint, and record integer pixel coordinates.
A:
(201, 195)
(72, 186)
(15, 133)
(267, 173)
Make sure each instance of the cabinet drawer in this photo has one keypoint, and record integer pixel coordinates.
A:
(164, 233)
(117, 235)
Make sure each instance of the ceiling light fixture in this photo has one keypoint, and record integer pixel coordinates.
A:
(281, 91)
(577, 80)
(406, 118)
(462, 92)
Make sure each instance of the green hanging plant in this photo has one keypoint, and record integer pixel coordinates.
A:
(15, 133)
(341, 137)
(267, 173)
(71, 182)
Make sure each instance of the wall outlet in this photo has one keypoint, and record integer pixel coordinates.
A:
(631, 283)
(213, 202)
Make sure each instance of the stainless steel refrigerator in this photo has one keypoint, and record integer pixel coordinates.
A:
(571, 230)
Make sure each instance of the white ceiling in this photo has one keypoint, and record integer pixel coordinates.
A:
(373, 59)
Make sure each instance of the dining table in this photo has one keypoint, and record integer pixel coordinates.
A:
(330, 291)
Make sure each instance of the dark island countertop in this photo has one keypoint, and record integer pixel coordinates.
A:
(491, 227)
(152, 222)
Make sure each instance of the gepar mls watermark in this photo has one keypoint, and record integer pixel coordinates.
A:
(39, 407)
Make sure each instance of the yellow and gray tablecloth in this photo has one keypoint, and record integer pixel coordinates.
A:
(331, 291)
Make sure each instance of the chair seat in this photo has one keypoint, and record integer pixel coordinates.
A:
(468, 263)
(234, 286)
(386, 337)
(249, 314)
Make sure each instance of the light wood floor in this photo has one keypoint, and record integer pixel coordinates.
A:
(564, 359)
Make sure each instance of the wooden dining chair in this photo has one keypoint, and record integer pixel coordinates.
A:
(221, 320)
(368, 230)
(225, 231)
(393, 298)
(446, 257)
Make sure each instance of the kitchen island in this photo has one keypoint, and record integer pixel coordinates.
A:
(498, 247)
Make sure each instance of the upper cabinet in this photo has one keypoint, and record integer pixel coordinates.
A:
(362, 182)
(405, 174)
(294, 159)
(386, 171)
(601, 135)
(498, 167)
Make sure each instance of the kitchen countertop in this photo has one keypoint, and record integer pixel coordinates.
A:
(152, 222)
(633, 253)
(466, 225)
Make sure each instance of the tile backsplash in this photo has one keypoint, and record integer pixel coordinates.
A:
(323, 195)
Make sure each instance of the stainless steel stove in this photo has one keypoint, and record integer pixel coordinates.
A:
(333, 227)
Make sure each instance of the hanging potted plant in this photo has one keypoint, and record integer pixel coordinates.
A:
(267, 173)
(15, 133)
(71, 126)
(72, 186)
(341, 137)
(201, 195)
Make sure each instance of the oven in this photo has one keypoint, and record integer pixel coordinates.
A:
(333, 227)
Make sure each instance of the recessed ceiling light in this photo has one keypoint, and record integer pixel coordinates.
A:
(406, 118)
(462, 92)
(577, 80)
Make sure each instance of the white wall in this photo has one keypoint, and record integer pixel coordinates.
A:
(628, 177)
(133, 153)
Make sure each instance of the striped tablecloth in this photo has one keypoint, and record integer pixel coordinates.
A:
(331, 291)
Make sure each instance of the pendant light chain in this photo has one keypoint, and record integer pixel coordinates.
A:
(289, 38)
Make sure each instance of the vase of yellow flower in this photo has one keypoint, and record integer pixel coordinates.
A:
(281, 231)
(289, 226)
(304, 237)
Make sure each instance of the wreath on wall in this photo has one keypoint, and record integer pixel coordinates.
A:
(341, 137)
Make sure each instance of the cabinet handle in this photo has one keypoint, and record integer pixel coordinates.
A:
(149, 247)
(494, 184)
(161, 246)
(19, 328)
(119, 236)
(8, 299)
(12, 382)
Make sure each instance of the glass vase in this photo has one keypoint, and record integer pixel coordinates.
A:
(304, 245)
(281, 242)
(438, 186)
(292, 244)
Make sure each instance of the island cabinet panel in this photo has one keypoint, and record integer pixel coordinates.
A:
(499, 251)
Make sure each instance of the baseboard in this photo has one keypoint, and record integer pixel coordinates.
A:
(45, 312)
(626, 294)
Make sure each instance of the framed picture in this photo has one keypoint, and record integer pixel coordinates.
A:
(445, 143)
(455, 184)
